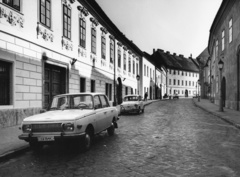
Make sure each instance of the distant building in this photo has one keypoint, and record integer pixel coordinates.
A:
(204, 77)
(182, 73)
(224, 45)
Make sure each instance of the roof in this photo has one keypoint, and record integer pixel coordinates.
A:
(81, 93)
(175, 61)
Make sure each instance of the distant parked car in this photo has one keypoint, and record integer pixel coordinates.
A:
(175, 96)
(76, 117)
(132, 104)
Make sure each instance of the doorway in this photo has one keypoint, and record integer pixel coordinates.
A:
(54, 82)
(119, 90)
(223, 85)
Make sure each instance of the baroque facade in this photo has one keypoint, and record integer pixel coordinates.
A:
(224, 45)
(54, 48)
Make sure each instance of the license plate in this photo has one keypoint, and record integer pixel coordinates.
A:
(46, 138)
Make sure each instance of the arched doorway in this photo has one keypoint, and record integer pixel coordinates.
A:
(223, 90)
(119, 90)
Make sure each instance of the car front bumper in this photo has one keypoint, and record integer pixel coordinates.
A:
(129, 110)
(53, 137)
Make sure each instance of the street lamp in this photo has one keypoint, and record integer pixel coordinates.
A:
(138, 78)
(220, 67)
(198, 90)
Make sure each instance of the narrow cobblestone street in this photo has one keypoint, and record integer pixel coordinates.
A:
(172, 138)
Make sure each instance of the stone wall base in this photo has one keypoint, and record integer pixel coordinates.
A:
(12, 117)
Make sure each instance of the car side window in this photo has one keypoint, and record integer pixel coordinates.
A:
(104, 101)
(97, 103)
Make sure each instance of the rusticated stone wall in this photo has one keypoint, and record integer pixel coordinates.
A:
(12, 117)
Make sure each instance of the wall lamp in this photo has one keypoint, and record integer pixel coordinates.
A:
(73, 61)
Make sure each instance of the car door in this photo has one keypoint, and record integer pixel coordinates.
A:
(107, 110)
(100, 114)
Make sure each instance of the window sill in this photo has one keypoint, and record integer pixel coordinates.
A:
(6, 106)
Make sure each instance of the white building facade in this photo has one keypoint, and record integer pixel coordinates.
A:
(57, 47)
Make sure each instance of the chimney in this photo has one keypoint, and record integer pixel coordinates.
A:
(153, 50)
(174, 54)
(167, 52)
(160, 50)
(180, 55)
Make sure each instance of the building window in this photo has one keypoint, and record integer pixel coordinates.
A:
(126, 90)
(216, 48)
(124, 61)
(144, 70)
(169, 71)
(174, 82)
(133, 67)
(192, 83)
(82, 30)
(129, 64)
(170, 82)
(82, 84)
(103, 47)
(93, 40)
(186, 73)
(93, 86)
(189, 83)
(147, 71)
(66, 21)
(13, 3)
(186, 83)
(108, 91)
(182, 83)
(182, 73)
(178, 72)
(223, 39)
(137, 68)
(5, 83)
(174, 72)
(119, 57)
(178, 82)
(230, 30)
(45, 13)
(131, 90)
(111, 50)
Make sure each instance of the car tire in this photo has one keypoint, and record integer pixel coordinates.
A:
(111, 130)
(35, 146)
(88, 139)
(143, 110)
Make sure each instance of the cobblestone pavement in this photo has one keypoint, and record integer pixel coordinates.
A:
(171, 139)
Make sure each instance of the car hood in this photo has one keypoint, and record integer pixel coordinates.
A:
(59, 115)
(128, 103)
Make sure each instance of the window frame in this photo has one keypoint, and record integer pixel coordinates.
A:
(103, 47)
(68, 22)
(45, 13)
(82, 32)
(93, 40)
(11, 4)
(223, 40)
(111, 50)
(230, 26)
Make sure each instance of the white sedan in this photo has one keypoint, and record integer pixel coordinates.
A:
(76, 117)
(132, 104)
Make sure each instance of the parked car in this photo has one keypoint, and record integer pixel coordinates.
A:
(77, 117)
(132, 104)
(175, 96)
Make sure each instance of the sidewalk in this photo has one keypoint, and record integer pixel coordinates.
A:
(230, 116)
(10, 144)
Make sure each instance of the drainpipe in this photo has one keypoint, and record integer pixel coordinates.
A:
(114, 75)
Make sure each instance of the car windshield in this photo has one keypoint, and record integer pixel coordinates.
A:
(72, 102)
(131, 98)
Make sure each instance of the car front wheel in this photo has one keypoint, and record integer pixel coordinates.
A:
(88, 140)
(111, 130)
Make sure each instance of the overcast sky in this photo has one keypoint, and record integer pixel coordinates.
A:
(177, 26)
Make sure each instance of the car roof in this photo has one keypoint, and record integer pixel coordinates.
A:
(130, 95)
(81, 93)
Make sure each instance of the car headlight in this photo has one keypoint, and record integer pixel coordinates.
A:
(68, 127)
(27, 128)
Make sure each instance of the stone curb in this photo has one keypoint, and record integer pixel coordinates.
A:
(13, 153)
(217, 115)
